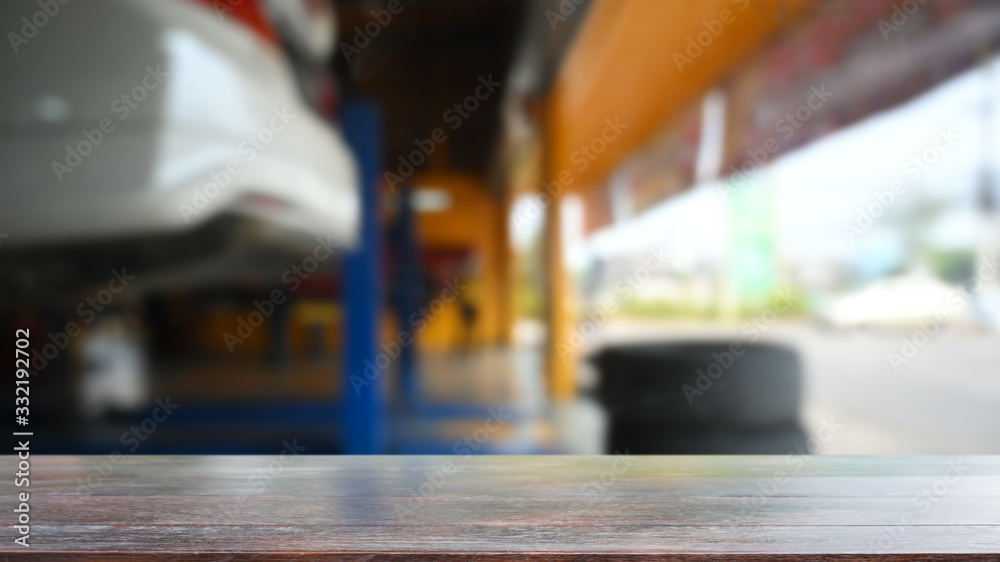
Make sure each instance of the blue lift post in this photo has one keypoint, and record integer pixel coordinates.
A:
(365, 413)
(410, 293)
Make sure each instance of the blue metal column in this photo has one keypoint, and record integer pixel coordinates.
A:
(410, 294)
(365, 413)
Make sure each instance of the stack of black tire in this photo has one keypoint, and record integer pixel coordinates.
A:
(668, 398)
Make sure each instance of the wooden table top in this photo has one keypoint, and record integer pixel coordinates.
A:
(558, 507)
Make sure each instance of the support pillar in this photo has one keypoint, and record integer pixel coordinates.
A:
(365, 415)
(560, 355)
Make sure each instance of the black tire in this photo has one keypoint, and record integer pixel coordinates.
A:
(753, 386)
(645, 439)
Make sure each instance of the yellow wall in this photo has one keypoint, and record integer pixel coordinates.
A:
(471, 222)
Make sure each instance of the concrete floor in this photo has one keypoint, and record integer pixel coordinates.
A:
(946, 399)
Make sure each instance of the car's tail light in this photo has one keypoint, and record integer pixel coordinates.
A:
(248, 13)
(328, 98)
(264, 201)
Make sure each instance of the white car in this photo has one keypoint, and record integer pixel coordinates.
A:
(901, 301)
(163, 137)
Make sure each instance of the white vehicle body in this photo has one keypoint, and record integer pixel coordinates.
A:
(124, 120)
(901, 302)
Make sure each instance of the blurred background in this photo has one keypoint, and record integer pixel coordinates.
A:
(505, 226)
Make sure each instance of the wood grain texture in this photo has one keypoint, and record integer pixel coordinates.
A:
(548, 507)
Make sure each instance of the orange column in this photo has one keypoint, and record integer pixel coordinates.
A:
(505, 275)
(560, 360)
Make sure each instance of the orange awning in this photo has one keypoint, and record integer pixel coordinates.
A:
(636, 63)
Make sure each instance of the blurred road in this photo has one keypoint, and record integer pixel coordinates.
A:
(943, 400)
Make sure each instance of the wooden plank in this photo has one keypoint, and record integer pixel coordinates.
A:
(516, 538)
(363, 486)
(718, 508)
(448, 509)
